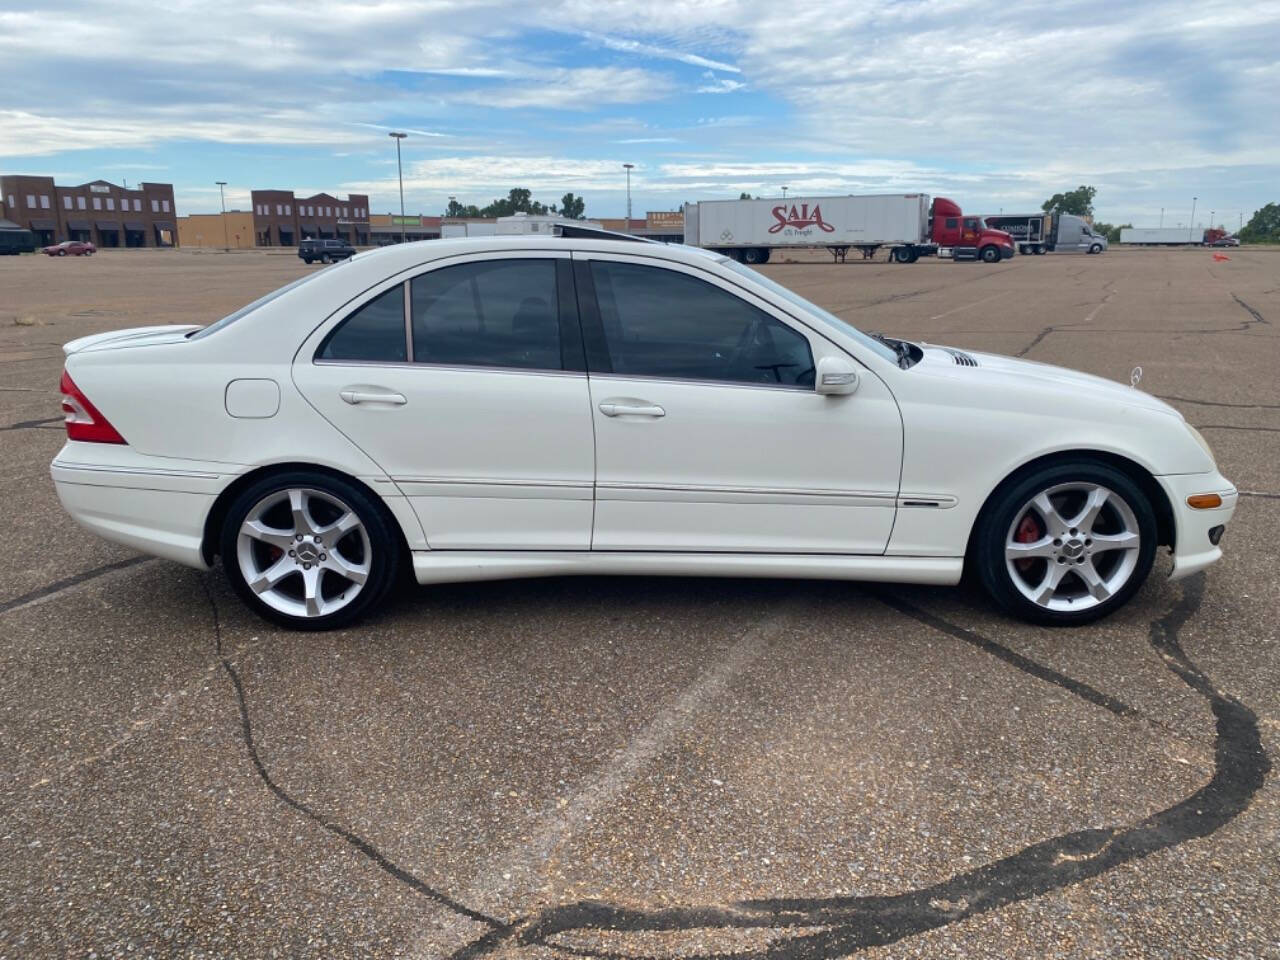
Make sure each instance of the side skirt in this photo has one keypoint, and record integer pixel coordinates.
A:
(454, 566)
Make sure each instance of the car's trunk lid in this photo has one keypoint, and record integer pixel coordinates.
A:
(133, 337)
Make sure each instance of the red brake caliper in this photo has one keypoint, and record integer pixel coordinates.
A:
(1028, 532)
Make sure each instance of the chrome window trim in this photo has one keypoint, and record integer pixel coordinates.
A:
(650, 378)
(455, 367)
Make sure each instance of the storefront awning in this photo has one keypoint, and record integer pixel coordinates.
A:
(77, 224)
(110, 226)
(42, 225)
(286, 228)
(162, 225)
(309, 228)
(135, 226)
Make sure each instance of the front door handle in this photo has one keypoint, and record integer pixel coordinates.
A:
(631, 408)
(354, 395)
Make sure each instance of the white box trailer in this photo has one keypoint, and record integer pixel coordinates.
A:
(749, 229)
(523, 224)
(452, 229)
(1168, 236)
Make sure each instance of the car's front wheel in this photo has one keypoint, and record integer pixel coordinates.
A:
(990, 254)
(1066, 544)
(308, 550)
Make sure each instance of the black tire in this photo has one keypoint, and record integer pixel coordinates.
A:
(902, 255)
(1096, 248)
(990, 254)
(62, 253)
(1003, 509)
(752, 255)
(1039, 250)
(384, 544)
(325, 258)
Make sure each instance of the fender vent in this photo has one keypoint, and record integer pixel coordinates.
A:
(962, 359)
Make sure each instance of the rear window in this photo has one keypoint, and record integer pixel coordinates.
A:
(249, 308)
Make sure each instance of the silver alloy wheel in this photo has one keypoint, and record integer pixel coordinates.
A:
(1084, 551)
(304, 552)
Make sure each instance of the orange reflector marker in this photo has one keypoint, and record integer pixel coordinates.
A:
(1204, 501)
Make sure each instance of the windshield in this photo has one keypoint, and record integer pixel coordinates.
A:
(843, 326)
(248, 309)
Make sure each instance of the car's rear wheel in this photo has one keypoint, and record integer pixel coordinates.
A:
(324, 258)
(308, 551)
(1066, 544)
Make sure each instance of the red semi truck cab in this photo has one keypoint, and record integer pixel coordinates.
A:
(966, 236)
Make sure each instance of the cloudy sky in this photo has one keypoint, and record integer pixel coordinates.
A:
(997, 105)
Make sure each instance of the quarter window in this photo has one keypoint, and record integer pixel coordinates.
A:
(496, 313)
(660, 323)
(374, 333)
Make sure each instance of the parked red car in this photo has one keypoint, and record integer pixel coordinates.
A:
(73, 248)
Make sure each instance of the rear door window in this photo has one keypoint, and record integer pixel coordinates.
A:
(492, 313)
(373, 334)
(662, 323)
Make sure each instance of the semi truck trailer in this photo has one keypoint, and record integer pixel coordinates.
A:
(1039, 233)
(1171, 236)
(908, 225)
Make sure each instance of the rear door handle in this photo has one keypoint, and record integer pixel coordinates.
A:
(631, 408)
(354, 395)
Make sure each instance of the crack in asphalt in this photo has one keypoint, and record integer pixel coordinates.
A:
(67, 582)
(1219, 403)
(848, 924)
(1257, 317)
(32, 424)
(357, 842)
(1228, 426)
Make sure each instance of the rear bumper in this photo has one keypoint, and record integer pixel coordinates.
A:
(153, 509)
(1193, 548)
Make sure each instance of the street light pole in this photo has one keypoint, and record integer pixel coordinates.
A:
(629, 167)
(784, 193)
(226, 244)
(1191, 228)
(400, 173)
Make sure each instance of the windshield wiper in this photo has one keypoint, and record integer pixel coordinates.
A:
(899, 347)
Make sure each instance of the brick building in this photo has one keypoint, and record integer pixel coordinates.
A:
(99, 211)
(280, 219)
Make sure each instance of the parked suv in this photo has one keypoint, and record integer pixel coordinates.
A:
(326, 251)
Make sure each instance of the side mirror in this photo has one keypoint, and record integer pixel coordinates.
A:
(836, 376)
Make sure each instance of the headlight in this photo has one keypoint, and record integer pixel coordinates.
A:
(1204, 445)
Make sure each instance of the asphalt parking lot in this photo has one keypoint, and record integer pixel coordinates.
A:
(653, 767)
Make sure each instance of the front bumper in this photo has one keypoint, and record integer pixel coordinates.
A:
(1193, 549)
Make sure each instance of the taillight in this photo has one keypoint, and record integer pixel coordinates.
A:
(83, 419)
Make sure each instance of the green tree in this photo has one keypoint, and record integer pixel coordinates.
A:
(571, 207)
(455, 209)
(1107, 230)
(745, 196)
(518, 200)
(1078, 201)
(1263, 226)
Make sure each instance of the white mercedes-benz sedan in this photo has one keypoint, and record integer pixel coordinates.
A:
(531, 406)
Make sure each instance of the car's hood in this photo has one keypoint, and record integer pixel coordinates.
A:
(1018, 375)
(133, 337)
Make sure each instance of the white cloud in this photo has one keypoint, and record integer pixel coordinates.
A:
(582, 88)
(639, 48)
(716, 84)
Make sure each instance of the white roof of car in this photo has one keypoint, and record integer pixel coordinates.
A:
(392, 259)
